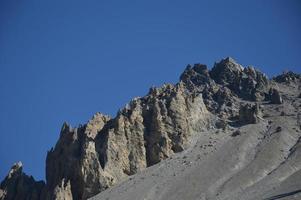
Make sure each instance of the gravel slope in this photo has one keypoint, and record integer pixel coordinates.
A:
(262, 162)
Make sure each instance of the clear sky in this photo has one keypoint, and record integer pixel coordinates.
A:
(64, 60)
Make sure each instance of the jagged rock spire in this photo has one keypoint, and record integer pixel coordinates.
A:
(90, 158)
(18, 186)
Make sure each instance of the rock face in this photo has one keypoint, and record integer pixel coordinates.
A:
(247, 83)
(74, 161)
(95, 156)
(288, 77)
(275, 96)
(19, 186)
(249, 114)
(101, 153)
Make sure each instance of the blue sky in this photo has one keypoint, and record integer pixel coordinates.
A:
(64, 60)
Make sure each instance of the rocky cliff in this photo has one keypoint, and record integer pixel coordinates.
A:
(100, 154)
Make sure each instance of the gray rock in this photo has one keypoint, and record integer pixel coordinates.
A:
(95, 156)
(196, 78)
(247, 83)
(275, 96)
(228, 73)
(89, 159)
(19, 186)
(288, 77)
(249, 114)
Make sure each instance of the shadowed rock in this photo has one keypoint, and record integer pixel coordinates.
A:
(90, 158)
(249, 114)
(288, 77)
(275, 96)
(19, 186)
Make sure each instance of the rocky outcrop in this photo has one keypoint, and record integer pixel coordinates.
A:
(19, 186)
(287, 77)
(171, 116)
(227, 82)
(228, 73)
(73, 165)
(95, 156)
(196, 78)
(249, 114)
(247, 83)
(275, 96)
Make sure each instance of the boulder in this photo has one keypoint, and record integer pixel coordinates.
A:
(275, 97)
(249, 114)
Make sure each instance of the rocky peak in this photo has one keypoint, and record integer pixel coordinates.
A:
(72, 167)
(18, 186)
(92, 157)
(196, 78)
(227, 72)
(287, 77)
(95, 156)
(247, 83)
(96, 124)
(16, 170)
(224, 84)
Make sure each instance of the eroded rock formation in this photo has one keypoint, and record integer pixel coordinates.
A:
(101, 153)
(93, 157)
(249, 114)
(18, 186)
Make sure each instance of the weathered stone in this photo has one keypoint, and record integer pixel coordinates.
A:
(196, 78)
(18, 186)
(249, 114)
(74, 161)
(62, 191)
(227, 72)
(275, 96)
(253, 85)
(236, 133)
(96, 156)
(221, 124)
(288, 77)
(91, 158)
(247, 83)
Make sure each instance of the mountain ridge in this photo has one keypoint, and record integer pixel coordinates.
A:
(95, 156)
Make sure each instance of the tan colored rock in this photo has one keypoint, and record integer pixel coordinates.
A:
(100, 154)
(63, 191)
(75, 160)
(91, 158)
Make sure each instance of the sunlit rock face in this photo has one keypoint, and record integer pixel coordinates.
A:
(103, 152)
(73, 166)
(93, 157)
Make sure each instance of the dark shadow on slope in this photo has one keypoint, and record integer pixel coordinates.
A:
(280, 196)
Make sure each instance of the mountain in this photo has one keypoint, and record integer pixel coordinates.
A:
(225, 133)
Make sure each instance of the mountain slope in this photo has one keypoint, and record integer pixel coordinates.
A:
(224, 133)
